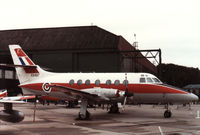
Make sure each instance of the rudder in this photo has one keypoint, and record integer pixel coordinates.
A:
(26, 66)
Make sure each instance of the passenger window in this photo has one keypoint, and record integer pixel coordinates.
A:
(108, 82)
(87, 82)
(142, 80)
(79, 82)
(125, 82)
(97, 82)
(149, 80)
(117, 82)
(71, 82)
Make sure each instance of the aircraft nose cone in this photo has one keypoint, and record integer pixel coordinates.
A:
(194, 97)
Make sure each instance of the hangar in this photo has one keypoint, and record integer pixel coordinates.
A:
(72, 49)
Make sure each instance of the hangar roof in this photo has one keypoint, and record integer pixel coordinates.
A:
(68, 38)
(83, 37)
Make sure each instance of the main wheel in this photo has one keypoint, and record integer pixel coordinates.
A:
(70, 104)
(114, 109)
(84, 117)
(167, 114)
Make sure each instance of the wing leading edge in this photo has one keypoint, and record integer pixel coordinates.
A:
(75, 92)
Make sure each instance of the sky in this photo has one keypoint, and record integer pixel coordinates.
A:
(171, 25)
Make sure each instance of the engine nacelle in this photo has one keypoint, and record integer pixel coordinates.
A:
(105, 92)
(13, 116)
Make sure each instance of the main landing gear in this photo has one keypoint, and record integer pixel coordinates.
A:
(84, 117)
(167, 113)
(83, 114)
(114, 108)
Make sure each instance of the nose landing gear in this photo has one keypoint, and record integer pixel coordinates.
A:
(167, 113)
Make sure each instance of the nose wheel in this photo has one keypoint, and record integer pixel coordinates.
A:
(167, 114)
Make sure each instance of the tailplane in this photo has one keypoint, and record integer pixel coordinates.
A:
(25, 67)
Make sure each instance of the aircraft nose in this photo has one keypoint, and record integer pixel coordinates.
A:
(193, 97)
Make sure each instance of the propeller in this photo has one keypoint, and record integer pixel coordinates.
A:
(123, 106)
(126, 95)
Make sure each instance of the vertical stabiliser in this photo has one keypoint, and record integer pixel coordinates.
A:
(27, 71)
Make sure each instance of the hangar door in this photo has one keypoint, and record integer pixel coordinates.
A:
(54, 61)
(98, 62)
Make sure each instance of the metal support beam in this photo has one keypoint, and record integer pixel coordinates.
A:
(154, 54)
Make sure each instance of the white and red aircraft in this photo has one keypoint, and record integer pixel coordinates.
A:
(90, 88)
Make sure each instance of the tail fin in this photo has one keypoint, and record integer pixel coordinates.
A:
(25, 67)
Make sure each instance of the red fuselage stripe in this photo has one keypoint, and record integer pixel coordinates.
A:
(135, 88)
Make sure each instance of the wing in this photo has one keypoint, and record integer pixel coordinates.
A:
(77, 93)
(14, 102)
(15, 99)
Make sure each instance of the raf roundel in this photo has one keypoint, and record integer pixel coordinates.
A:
(46, 87)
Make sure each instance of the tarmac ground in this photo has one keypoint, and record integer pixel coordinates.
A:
(135, 120)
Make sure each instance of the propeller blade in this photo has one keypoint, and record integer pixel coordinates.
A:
(127, 93)
(123, 108)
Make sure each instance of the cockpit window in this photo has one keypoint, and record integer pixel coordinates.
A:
(149, 80)
(142, 80)
(156, 80)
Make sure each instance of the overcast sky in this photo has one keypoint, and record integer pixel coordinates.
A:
(171, 25)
